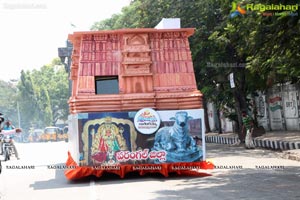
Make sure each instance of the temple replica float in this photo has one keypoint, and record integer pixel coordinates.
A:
(134, 104)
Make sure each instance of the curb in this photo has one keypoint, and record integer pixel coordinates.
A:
(258, 142)
(221, 140)
(276, 144)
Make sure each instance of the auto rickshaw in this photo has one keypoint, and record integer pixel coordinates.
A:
(50, 134)
(63, 134)
(35, 135)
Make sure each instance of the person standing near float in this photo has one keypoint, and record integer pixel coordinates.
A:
(248, 125)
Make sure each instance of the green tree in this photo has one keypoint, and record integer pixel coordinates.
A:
(262, 44)
(28, 100)
(9, 103)
(44, 95)
(273, 47)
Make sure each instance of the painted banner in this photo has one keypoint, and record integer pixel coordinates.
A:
(262, 115)
(146, 136)
(275, 103)
(290, 104)
(144, 141)
(291, 114)
(275, 112)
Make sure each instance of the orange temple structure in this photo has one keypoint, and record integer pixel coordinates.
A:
(119, 74)
(154, 69)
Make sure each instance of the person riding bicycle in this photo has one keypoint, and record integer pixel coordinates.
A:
(8, 126)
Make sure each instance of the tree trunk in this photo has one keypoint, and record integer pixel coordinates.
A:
(254, 106)
(239, 123)
(240, 103)
(207, 127)
(219, 121)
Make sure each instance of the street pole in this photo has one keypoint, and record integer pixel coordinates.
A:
(19, 116)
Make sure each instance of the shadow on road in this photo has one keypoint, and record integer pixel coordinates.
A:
(223, 150)
(227, 184)
(243, 184)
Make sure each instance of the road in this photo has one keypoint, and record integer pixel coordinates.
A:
(241, 174)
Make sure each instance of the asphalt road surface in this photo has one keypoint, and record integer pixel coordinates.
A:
(240, 174)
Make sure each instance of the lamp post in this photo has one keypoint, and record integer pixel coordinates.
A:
(19, 116)
(14, 84)
(56, 114)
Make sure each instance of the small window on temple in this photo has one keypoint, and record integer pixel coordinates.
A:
(107, 85)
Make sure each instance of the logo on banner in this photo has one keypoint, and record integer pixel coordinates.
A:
(147, 121)
(239, 9)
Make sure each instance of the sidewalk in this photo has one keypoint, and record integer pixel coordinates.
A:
(287, 141)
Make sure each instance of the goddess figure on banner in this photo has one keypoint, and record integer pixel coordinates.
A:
(108, 140)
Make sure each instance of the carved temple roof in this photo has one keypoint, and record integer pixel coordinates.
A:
(153, 66)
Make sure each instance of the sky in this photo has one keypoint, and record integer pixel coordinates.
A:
(31, 31)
